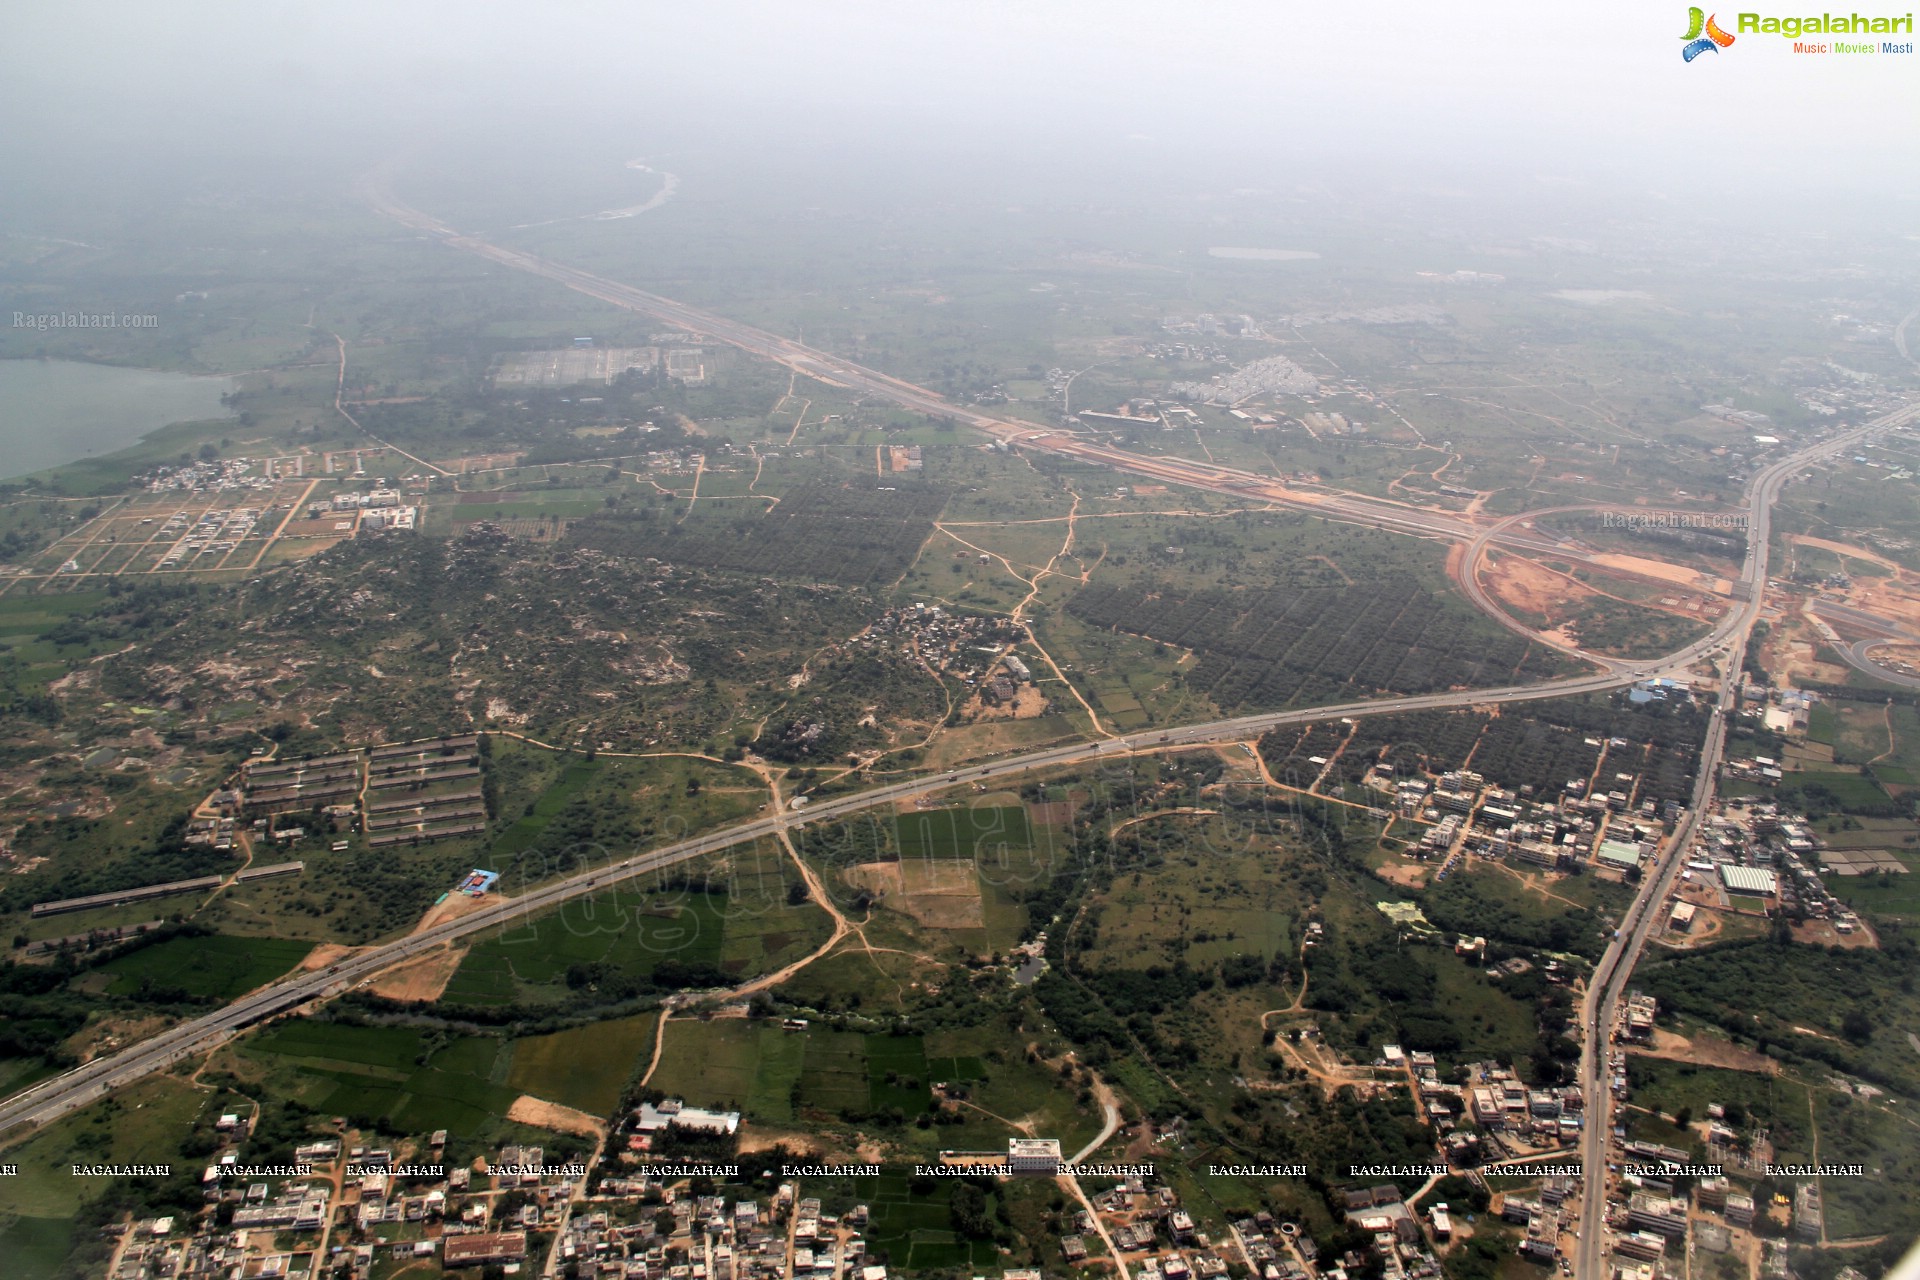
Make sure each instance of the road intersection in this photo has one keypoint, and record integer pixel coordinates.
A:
(1726, 643)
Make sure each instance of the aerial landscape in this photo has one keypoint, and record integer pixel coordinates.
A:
(839, 641)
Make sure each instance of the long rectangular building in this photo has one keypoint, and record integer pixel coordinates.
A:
(120, 897)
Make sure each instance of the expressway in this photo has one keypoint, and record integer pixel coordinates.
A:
(1351, 508)
(1609, 982)
(91, 1081)
(53, 1098)
(85, 1084)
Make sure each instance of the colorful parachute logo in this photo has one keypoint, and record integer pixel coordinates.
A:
(1712, 41)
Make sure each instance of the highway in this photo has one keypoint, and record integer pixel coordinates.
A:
(85, 1084)
(1380, 513)
(1615, 970)
(55, 1097)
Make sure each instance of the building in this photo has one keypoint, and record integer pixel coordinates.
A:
(1641, 1011)
(478, 1250)
(1807, 1215)
(1033, 1156)
(1682, 918)
(1657, 1213)
(674, 1114)
(1755, 881)
(1643, 1245)
(1620, 855)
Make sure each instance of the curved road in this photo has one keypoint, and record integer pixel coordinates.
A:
(1610, 977)
(53, 1098)
(1860, 655)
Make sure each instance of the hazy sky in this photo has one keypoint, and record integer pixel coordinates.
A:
(1588, 87)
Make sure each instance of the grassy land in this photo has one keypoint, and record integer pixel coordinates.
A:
(625, 928)
(219, 967)
(395, 1078)
(141, 1122)
(961, 832)
(584, 1067)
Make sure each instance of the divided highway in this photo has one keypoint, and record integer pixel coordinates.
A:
(53, 1098)
(1610, 978)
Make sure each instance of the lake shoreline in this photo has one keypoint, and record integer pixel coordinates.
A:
(57, 412)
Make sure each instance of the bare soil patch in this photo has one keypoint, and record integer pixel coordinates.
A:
(452, 907)
(941, 893)
(325, 954)
(1051, 813)
(528, 1109)
(1028, 704)
(1407, 875)
(1844, 549)
(1534, 588)
(1678, 574)
(753, 1138)
(1706, 1051)
(1821, 933)
(422, 979)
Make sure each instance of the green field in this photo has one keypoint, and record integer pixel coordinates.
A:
(521, 835)
(1883, 894)
(733, 1063)
(394, 1078)
(911, 1223)
(134, 1126)
(583, 1067)
(962, 833)
(624, 927)
(1849, 792)
(219, 967)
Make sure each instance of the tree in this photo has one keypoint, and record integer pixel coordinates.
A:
(968, 1212)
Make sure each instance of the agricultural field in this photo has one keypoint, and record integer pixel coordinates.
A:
(632, 936)
(626, 931)
(826, 1080)
(1542, 745)
(216, 968)
(854, 537)
(1269, 649)
(585, 1067)
(398, 1080)
(950, 877)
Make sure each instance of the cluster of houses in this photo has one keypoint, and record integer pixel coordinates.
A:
(348, 1211)
(1578, 831)
(206, 476)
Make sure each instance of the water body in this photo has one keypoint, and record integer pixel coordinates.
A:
(58, 411)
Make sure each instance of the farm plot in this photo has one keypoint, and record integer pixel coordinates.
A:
(583, 1067)
(818, 533)
(204, 968)
(625, 929)
(962, 832)
(734, 1063)
(1275, 648)
(912, 1223)
(389, 1077)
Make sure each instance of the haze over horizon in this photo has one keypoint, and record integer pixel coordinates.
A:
(1494, 93)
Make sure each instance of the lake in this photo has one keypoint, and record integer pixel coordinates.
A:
(59, 411)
